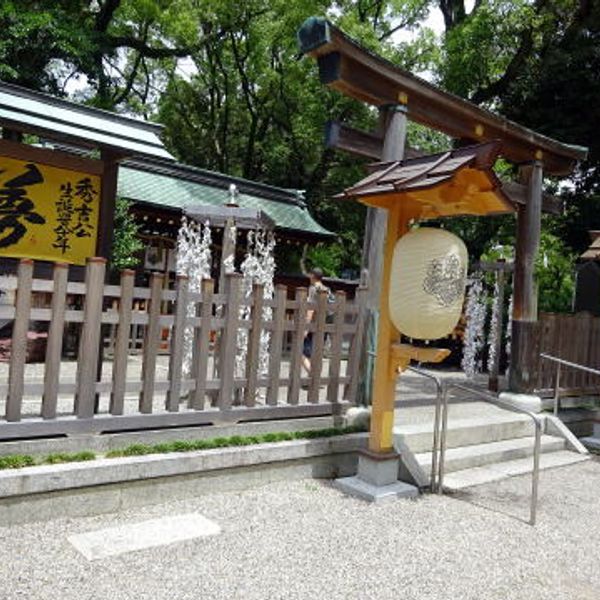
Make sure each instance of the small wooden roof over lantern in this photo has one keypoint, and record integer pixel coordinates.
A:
(457, 182)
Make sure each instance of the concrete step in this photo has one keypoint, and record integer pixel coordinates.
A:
(467, 432)
(496, 472)
(469, 457)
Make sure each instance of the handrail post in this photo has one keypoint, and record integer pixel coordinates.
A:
(442, 465)
(436, 438)
(506, 406)
(536, 472)
(436, 424)
(556, 389)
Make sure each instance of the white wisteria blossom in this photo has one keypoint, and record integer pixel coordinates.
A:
(194, 259)
(475, 315)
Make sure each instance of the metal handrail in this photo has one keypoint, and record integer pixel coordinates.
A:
(436, 424)
(501, 404)
(560, 362)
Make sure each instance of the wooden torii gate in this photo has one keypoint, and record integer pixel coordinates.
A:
(399, 95)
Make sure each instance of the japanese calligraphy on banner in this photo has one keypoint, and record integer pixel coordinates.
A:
(47, 213)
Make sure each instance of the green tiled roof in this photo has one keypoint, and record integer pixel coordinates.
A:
(144, 185)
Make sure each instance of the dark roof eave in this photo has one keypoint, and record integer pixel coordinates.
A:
(219, 180)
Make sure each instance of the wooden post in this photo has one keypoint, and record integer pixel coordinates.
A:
(119, 376)
(55, 341)
(395, 122)
(229, 341)
(108, 196)
(384, 378)
(227, 264)
(353, 366)
(275, 349)
(89, 343)
(201, 345)
(252, 356)
(333, 389)
(316, 360)
(151, 341)
(297, 346)
(18, 348)
(523, 362)
(177, 337)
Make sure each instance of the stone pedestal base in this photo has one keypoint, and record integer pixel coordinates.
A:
(377, 479)
(592, 442)
(527, 401)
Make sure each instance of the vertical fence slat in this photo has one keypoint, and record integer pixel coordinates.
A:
(89, 343)
(18, 347)
(55, 340)
(176, 353)
(229, 341)
(120, 355)
(202, 345)
(297, 346)
(316, 360)
(335, 359)
(276, 344)
(252, 357)
(151, 342)
(546, 333)
(595, 356)
(568, 335)
(584, 323)
(352, 368)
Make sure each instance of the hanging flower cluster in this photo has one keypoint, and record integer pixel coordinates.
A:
(475, 314)
(258, 267)
(495, 331)
(193, 260)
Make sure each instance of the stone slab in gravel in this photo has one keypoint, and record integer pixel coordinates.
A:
(306, 540)
(152, 533)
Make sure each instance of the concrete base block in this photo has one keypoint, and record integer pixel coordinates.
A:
(355, 486)
(377, 479)
(527, 401)
(593, 442)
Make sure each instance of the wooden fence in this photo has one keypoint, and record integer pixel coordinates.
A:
(219, 386)
(572, 337)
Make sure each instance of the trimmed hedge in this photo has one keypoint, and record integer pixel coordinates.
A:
(18, 461)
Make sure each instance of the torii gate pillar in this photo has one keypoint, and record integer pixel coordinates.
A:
(523, 359)
(394, 121)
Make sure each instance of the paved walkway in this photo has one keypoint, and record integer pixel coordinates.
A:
(304, 540)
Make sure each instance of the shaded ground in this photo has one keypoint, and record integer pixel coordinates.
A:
(305, 540)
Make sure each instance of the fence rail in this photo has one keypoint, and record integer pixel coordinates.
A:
(246, 353)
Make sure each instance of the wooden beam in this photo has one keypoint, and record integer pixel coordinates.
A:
(108, 198)
(370, 145)
(356, 72)
(518, 194)
(54, 158)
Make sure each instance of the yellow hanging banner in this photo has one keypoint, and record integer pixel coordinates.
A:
(47, 213)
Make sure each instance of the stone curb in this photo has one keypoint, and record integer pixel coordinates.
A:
(53, 478)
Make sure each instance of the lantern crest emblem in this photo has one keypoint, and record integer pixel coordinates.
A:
(445, 279)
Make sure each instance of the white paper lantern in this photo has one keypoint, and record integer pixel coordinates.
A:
(427, 286)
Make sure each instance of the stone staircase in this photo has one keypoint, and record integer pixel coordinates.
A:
(485, 448)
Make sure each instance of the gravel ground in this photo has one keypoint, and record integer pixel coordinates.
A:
(304, 539)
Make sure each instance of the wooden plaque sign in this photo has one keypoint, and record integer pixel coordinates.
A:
(46, 212)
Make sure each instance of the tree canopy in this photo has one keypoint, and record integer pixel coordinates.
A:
(226, 79)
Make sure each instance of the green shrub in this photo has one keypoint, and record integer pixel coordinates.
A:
(65, 457)
(16, 461)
